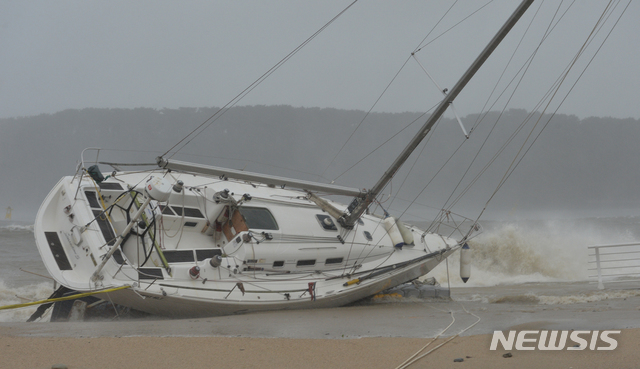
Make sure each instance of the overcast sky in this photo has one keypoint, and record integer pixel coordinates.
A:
(57, 55)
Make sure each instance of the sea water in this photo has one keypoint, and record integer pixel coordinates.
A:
(543, 262)
(19, 260)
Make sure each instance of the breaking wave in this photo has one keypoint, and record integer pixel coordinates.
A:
(16, 228)
(550, 251)
(20, 295)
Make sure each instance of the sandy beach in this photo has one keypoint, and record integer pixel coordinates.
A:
(373, 335)
(244, 352)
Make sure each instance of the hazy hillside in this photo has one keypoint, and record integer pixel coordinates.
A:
(581, 166)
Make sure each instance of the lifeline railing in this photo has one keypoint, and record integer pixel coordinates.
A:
(81, 168)
(607, 257)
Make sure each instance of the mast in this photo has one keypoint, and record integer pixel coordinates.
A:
(360, 204)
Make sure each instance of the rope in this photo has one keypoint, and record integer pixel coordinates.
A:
(72, 297)
(250, 88)
(409, 361)
(414, 359)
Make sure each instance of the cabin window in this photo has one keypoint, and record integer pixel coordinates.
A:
(278, 264)
(306, 262)
(258, 218)
(326, 222)
(190, 224)
(333, 261)
(165, 210)
(188, 212)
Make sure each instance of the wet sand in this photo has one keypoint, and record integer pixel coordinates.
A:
(246, 352)
(377, 335)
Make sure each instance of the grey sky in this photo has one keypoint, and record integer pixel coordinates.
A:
(56, 55)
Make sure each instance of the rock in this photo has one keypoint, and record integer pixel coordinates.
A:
(458, 360)
(508, 354)
(59, 366)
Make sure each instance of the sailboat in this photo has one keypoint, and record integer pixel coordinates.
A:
(191, 240)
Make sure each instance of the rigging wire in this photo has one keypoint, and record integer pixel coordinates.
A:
(524, 70)
(450, 28)
(594, 31)
(363, 119)
(220, 112)
(385, 90)
(384, 143)
(417, 49)
(555, 87)
(511, 169)
(484, 110)
(472, 129)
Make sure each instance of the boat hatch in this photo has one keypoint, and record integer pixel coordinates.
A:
(110, 186)
(58, 251)
(326, 222)
(93, 199)
(178, 256)
(105, 227)
(190, 256)
(101, 218)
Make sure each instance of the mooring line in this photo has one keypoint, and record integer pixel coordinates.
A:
(72, 297)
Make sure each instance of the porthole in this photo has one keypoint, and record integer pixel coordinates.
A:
(306, 262)
(333, 261)
(368, 236)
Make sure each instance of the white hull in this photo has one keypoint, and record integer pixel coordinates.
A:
(283, 257)
(185, 305)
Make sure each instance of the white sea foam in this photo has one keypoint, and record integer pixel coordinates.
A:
(21, 295)
(541, 299)
(586, 297)
(551, 251)
(16, 228)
